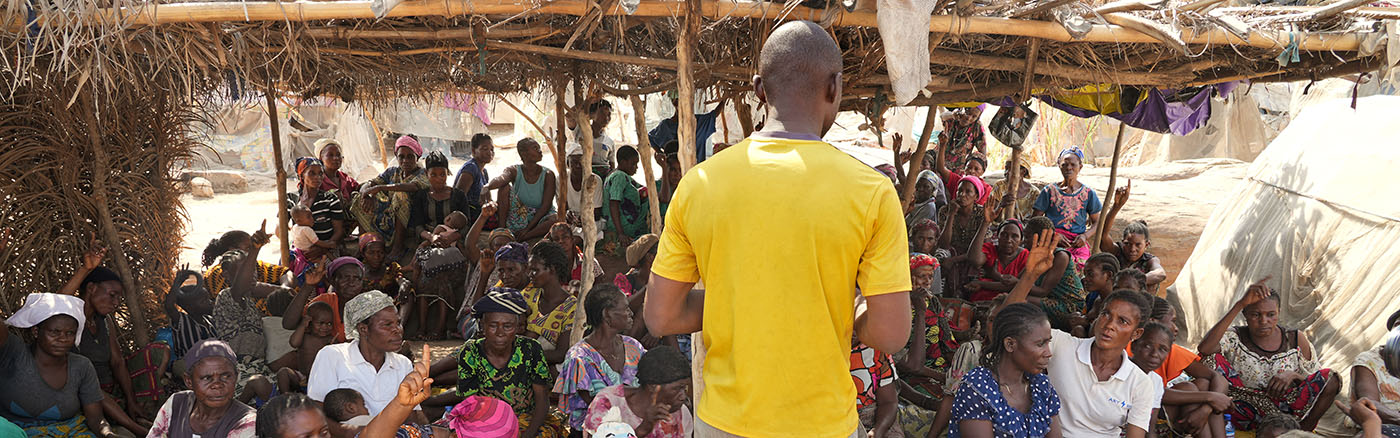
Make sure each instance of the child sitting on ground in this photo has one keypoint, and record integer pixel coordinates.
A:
(1193, 399)
(317, 330)
(1151, 350)
(304, 237)
(1130, 279)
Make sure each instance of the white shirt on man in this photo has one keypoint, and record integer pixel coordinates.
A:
(342, 366)
(1090, 408)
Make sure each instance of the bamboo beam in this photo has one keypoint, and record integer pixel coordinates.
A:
(1374, 12)
(590, 227)
(422, 33)
(101, 169)
(639, 110)
(685, 55)
(1108, 196)
(1047, 68)
(283, 215)
(299, 11)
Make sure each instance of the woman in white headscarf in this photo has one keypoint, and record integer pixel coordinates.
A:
(31, 397)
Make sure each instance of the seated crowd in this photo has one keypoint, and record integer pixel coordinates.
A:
(1019, 330)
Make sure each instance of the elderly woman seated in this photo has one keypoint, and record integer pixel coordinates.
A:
(207, 409)
(49, 391)
(1270, 369)
(505, 366)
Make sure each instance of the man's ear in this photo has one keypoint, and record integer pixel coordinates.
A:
(758, 89)
(833, 89)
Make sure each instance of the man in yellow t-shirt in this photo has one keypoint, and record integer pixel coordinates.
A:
(782, 228)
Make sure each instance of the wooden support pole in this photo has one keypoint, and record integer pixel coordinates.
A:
(300, 11)
(282, 213)
(639, 109)
(561, 160)
(1013, 171)
(378, 138)
(745, 113)
(101, 169)
(906, 193)
(1108, 196)
(685, 55)
(590, 227)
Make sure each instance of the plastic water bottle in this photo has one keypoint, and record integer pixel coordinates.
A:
(1229, 427)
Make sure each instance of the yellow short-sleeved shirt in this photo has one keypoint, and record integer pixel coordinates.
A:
(782, 231)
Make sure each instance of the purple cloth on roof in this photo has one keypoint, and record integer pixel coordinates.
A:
(1163, 110)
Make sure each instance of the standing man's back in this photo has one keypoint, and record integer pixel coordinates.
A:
(782, 228)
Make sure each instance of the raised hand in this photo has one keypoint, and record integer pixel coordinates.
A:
(1257, 292)
(1120, 195)
(897, 141)
(317, 273)
(489, 209)
(261, 237)
(417, 386)
(92, 259)
(1042, 252)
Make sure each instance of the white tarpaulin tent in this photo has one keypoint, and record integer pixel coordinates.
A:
(1318, 212)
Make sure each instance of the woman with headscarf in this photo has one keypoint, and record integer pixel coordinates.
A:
(207, 409)
(964, 229)
(326, 210)
(369, 360)
(1072, 206)
(658, 407)
(962, 138)
(48, 391)
(552, 300)
(526, 193)
(926, 203)
(605, 357)
(1375, 376)
(238, 322)
(344, 185)
(346, 276)
(388, 213)
(1271, 370)
(505, 366)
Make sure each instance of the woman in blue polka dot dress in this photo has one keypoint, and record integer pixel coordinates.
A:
(1009, 396)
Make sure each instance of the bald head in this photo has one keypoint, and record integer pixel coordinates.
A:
(799, 57)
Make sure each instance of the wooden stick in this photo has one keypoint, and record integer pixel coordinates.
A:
(561, 161)
(639, 110)
(422, 33)
(300, 11)
(745, 114)
(1332, 9)
(685, 55)
(283, 215)
(590, 227)
(1108, 196)
(1031, 56)
(906, 193)
(101, 169)
(378, 137)
(1037, 9)
(1046, 68)
(543, 134)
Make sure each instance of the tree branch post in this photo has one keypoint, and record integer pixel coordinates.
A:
(101, 169)
(644, 149)
(1108, 196)
(282, 213)
(685, 79)
(590, 227)
(906, 193)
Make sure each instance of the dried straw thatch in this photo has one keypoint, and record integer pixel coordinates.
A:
(124, 77)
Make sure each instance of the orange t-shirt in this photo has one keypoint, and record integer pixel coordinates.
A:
(1176, 362)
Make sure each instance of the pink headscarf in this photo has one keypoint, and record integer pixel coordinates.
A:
(981, 186)
(483, 416)
(412, 145)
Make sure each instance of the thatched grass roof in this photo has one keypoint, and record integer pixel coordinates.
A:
(979, 47)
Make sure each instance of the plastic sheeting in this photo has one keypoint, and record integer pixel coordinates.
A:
(1318, 215)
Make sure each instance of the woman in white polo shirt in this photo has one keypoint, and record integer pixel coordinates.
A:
(1102, 394)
